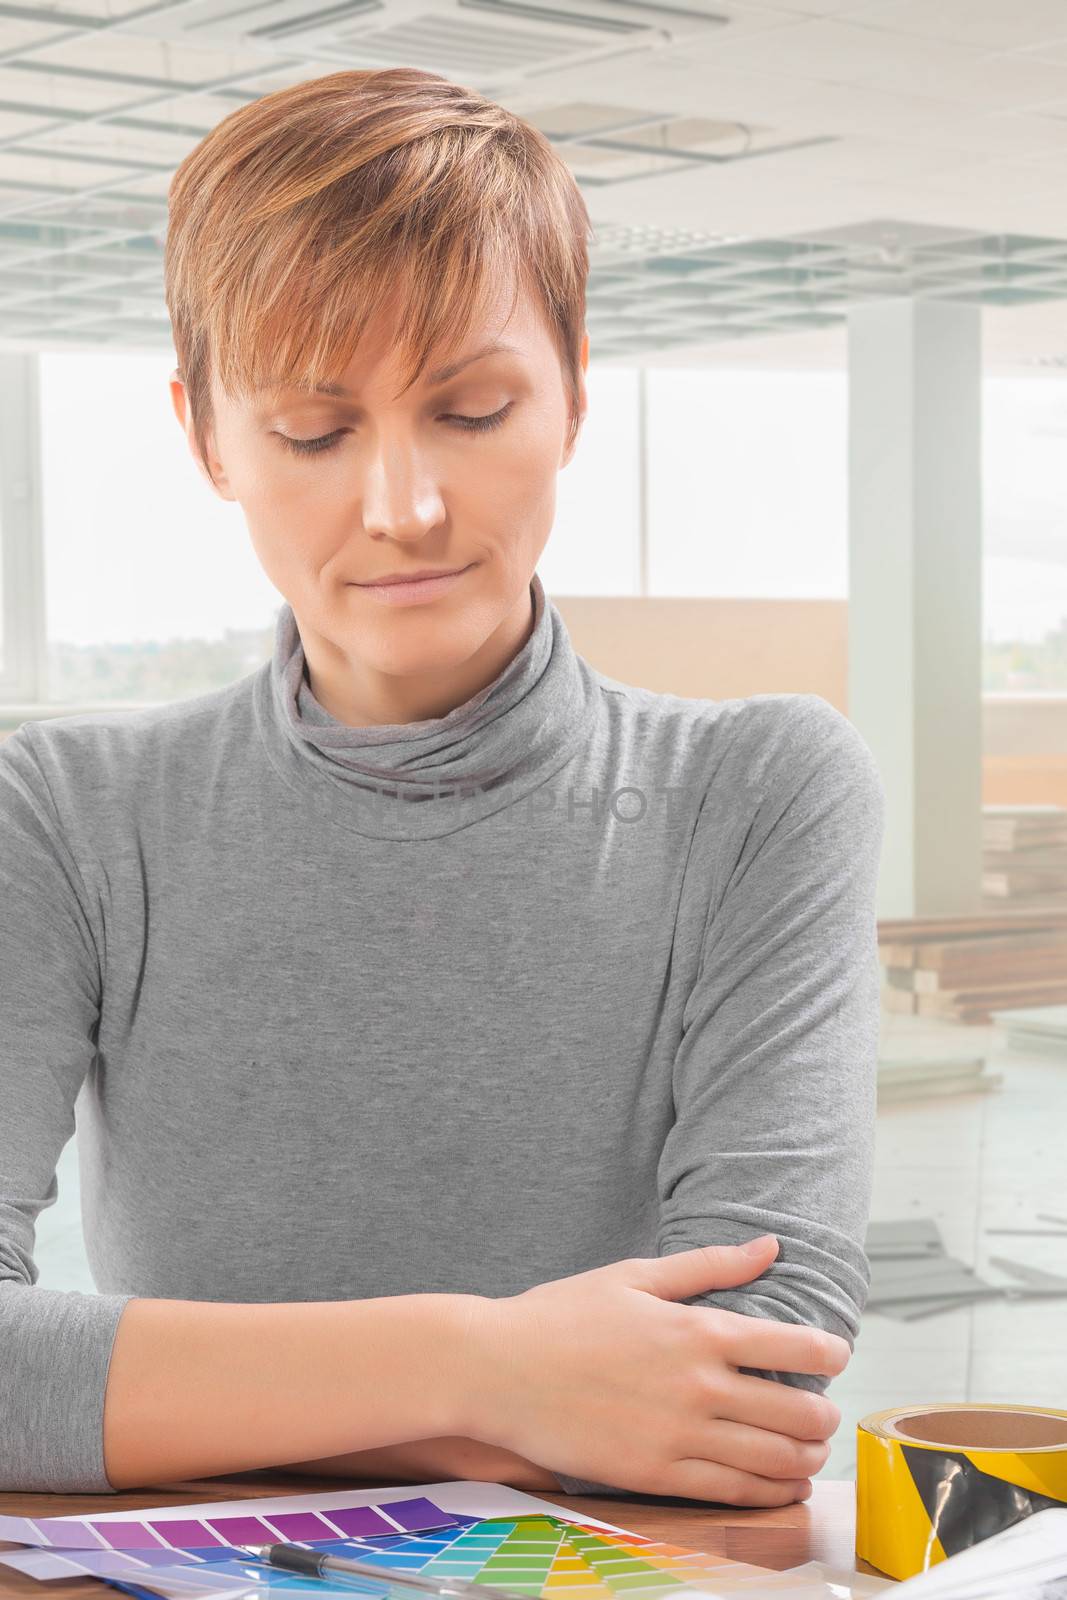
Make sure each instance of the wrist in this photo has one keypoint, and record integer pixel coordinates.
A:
(479, 1402)
(467, 1319)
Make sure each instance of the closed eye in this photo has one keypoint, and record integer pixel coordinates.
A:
(328, 441)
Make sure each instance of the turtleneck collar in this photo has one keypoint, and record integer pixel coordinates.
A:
(423, 779)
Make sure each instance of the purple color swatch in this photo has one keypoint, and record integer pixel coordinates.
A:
(242, 1530)
(300, 1526)
(417, 1515)
(65, 1535)
(128, 1535)
(185, 1534)
(358, 1521)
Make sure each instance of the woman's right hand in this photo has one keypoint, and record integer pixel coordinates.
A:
(601, 1375)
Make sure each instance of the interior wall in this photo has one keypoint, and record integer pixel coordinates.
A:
(714, 649)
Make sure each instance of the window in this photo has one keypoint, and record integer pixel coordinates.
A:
(748, 478)
(1025, 513)
(153, 591)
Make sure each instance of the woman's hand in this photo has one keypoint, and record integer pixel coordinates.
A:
(602, 1375)
(431, 1461)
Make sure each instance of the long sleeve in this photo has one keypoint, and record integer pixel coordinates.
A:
(57, 1344)
(774, 1079)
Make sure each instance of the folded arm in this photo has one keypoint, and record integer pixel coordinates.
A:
(774, 1077)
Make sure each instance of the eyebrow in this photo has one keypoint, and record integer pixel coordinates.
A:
(441, 375)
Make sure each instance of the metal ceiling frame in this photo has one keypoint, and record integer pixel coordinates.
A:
(92, 312)
(635, 305)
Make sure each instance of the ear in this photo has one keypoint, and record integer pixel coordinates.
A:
(583, 402)
(216, 478)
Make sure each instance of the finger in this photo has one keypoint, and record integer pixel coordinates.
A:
(759, 1450)
(707, 1480)
(707, 1266)
(765, 1403)
(779, 1346)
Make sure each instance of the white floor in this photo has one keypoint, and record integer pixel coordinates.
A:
(972, 1162)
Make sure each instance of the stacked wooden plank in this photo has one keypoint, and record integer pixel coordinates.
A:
(1024, 856)
(962, 968)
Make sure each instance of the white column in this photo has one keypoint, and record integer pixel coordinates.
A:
(22, 670)
(915, 592)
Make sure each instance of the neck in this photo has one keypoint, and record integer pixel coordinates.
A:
(361, 697)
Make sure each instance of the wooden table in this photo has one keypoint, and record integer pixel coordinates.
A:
(821, 1529)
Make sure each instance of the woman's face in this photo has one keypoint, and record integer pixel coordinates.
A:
(403, 484)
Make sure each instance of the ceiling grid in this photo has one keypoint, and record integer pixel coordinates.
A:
(100, 100)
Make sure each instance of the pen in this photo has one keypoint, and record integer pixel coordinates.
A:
(317, 1564)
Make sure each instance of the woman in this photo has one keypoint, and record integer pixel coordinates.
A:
(447, 1013)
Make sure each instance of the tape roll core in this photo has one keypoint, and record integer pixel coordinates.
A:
(983, 1430)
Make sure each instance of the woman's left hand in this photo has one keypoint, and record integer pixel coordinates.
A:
(433, 1460)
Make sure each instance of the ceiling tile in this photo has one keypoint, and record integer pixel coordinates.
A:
(982, 24)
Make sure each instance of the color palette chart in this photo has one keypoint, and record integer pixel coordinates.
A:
(247, 1522)
(530, 1554)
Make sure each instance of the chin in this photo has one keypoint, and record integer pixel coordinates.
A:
(426, 650)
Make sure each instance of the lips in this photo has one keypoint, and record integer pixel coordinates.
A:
(412, 577)
(413, 591)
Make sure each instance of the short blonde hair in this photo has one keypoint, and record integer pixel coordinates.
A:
(301, 212)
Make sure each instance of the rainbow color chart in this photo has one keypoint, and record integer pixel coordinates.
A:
(532, 1554)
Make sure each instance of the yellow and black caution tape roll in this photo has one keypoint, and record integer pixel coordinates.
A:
(933, 1480)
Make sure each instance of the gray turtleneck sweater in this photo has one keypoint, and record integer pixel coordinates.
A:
(575, 973)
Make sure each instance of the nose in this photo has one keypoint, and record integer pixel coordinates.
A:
(401, 495)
